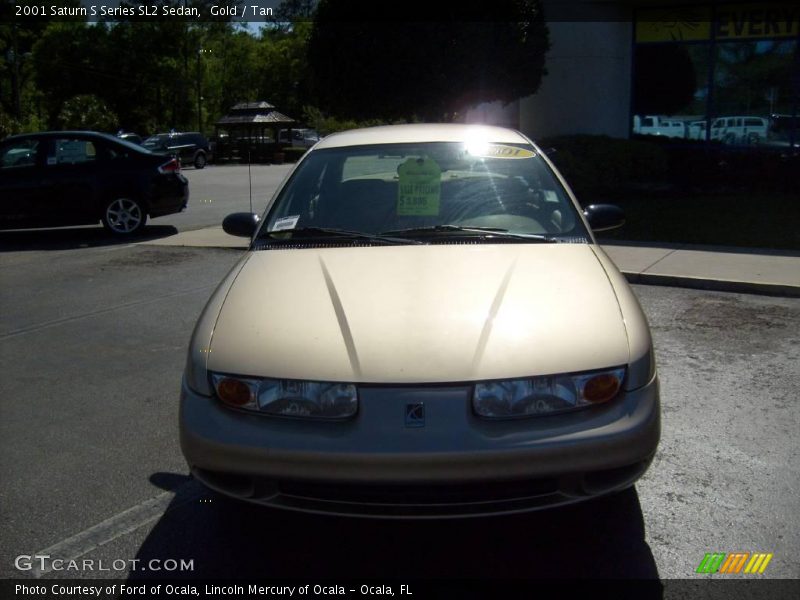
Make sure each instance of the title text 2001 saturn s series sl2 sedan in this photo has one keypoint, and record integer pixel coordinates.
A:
(423, 326)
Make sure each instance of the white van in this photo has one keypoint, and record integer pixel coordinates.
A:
(655, 125)
(739, 130)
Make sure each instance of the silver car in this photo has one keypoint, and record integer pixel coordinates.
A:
(423, 326)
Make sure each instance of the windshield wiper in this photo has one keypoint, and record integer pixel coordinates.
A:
(313, 232)
(482, 231)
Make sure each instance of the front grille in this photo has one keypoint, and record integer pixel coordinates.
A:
(421, 500)
(412, 495)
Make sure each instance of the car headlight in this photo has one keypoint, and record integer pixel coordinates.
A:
(288, 397)
(545, 395)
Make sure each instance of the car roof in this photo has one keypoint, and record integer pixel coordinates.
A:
(118, 141)
(45, 134)
(174, 133)
(420, 132)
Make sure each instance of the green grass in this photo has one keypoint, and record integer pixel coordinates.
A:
(759, 220)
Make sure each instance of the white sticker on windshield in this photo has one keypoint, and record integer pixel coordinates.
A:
(285, 223)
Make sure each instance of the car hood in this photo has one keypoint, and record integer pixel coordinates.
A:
(419, 314)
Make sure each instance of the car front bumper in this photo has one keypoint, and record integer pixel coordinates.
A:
(455, 465)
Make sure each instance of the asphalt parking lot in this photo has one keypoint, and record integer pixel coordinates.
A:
(93, 335)
(92, 341)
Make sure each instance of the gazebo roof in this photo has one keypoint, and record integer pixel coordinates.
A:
(254, 113)
(259, 105)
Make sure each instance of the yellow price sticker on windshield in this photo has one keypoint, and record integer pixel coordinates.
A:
(501, 151)
(419, 187)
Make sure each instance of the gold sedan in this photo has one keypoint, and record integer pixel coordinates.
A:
(423, 326)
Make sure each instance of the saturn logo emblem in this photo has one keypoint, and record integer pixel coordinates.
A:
(415, 415)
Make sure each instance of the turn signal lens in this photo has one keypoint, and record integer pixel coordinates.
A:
(234, 392)
(601, 388)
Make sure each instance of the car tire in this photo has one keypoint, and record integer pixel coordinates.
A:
(124, 216)
(200, 160)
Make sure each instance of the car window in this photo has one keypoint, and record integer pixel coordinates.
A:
(117, 151)
(71, 151)
(399, 186)
(21, 153)
(156, 142)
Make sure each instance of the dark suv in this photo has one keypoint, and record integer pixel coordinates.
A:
(191, 148)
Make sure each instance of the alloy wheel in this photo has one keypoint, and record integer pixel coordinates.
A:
(124, 215)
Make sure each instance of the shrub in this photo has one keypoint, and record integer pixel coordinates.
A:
(326, 124)
(292, 154)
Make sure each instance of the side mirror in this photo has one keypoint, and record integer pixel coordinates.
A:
(603, 217)
(241, 224)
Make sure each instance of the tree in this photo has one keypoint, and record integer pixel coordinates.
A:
(282, 67)
(67, 59)
(18, 94)
(365, 64)
(87, 112)
(754, 77)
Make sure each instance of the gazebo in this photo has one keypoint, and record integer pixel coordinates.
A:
(249, 132)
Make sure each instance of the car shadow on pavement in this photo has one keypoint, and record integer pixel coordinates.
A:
(602, 538)
(75, 237)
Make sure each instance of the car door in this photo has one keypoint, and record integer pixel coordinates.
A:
(22, 190)
(72, 169)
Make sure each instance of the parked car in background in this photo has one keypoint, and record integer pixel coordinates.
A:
(190, 148)
(423, 325)
(697, 130)
(60, 178)
(740, 130)
(130, 137)
(303, 138)
(655, 125)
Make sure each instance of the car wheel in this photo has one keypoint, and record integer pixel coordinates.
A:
(199, 160)
(124, 216)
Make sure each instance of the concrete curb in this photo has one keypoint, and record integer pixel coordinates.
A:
(717, 285)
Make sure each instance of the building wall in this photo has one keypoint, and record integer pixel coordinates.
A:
(588, 85)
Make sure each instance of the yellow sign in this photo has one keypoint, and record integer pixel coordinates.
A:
(679, 24)
(743, 21)
(728, 22)
(419, 187)
(501, 151)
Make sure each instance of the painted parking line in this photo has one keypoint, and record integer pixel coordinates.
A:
(115, 527)
(63, 320)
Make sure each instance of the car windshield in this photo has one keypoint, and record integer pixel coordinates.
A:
(426, 191)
